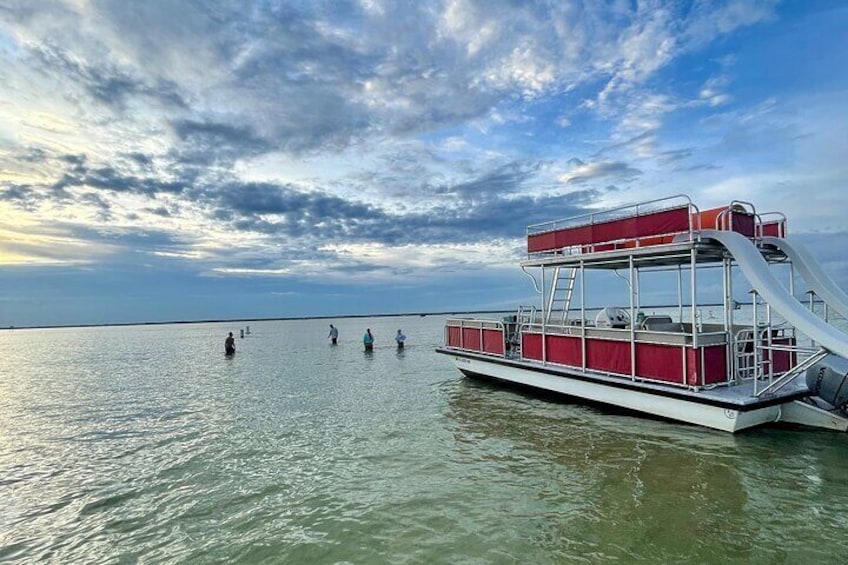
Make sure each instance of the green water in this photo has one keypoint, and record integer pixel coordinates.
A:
(145, 444)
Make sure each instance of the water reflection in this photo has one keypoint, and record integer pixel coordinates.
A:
(618, 486)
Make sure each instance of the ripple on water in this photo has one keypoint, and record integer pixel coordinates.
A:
(295, 451)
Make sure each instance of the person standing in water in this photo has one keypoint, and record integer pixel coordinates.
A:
(368, 340)
(230, 344)
(334, 334)
(400, 338)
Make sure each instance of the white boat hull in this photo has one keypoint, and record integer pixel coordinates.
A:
(674, 408)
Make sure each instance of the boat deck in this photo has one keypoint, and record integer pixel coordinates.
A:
(737, 396)
(664, 255)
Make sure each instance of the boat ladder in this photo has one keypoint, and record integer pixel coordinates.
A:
(562, 289)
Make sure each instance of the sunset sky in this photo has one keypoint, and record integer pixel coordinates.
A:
(178, 160)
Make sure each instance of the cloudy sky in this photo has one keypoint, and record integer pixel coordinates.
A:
(188, 159)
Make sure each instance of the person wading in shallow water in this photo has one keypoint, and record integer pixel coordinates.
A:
(368, 340)
(400, 338)
(334, 334)
(230, 344)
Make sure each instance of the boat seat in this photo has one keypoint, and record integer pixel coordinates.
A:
(661, 324)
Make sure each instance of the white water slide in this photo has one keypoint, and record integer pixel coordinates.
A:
(757, 271)
(816, 278)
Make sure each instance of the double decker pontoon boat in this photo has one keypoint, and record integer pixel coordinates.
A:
(785, 363)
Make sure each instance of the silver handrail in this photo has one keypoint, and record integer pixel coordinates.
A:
(543, 227)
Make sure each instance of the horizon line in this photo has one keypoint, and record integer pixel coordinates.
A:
(290, 318)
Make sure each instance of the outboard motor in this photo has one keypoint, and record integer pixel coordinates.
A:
(612, 317)
(828, 379)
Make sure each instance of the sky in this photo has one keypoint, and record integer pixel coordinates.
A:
(222, 159)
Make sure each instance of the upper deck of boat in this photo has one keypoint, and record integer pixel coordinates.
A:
(659, 255)
(663, 233)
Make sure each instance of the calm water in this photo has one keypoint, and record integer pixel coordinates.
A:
(146, 444)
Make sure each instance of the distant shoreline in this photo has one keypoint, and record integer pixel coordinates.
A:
(290, 318)
(234, 320)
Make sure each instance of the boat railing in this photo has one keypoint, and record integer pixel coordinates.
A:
(668, 220)
(487, 337)
(665, 354)
(645, 223)
(619, 213)
(768, 355)
(821, 308)
(765, 356)
(771, 224)
(775, 383)
(726, 218)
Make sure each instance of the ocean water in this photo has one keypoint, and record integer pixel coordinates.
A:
(145, 444)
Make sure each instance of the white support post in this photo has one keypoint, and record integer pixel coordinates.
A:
(544, 318)
(727, 265)
(693, 262)
(756, 315)
(582, 315)
(631, 276)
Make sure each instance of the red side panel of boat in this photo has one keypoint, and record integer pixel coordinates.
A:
(736, 220)
(667, 221)
(541, 242)
(774, 229)
(531, 346)
(493, 342)
(471, 339)
(654, 361)
(744, 224)
(613, 230)
(476, 339)
(564, 350)
(608, 356)
(572, 236)
(454, 337)
(659, 362)
(671, 221)
(714, 365)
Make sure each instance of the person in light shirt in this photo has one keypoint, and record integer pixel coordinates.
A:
(400, 338)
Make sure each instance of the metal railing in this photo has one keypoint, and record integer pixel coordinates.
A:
(765, 218)
(621, 213)
(480, 325)
(755, 353)
(680, 340)
(610, 214)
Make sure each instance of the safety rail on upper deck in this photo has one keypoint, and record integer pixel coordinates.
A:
(654, 222)
(646, 223)
(771, 224)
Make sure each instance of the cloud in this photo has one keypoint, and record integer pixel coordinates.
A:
(287, 138)
(21, 195)
(674, 155)
(105, 83)
(582, 173)
(204, 143)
